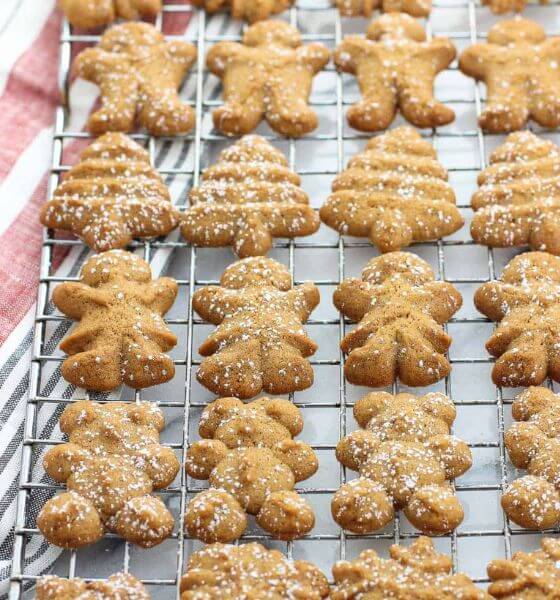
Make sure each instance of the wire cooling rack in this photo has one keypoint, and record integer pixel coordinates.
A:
(483, 410)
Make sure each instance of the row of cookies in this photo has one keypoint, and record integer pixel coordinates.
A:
(269, 76)
(99, 13)
(413, 572)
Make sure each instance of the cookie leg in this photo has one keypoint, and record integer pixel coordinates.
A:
(163, 113)
(144, 364)
(286, 515)
(507, 107)
(378, 106)
(144, 520)
(285, 370)
(243, 107)
(434, 510)
(545, 102)
(416, 98)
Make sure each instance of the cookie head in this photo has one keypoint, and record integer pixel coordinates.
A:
(396, 25)
(272, 32)
(258, 271)
(108, 266)
(514, 31)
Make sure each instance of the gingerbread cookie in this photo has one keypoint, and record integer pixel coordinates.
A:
(395, 67)
(400, 309)
(247, 10)
(525, 301)
(120, 586)
(268, 76)
(121, 336)
(98, 13)
(395, 193)
(413, 572)
(406, 459)
(518, 202)
(533, 443)
(252, 463)
(519, 66)
(111, 464)
(111, 196)
(365, 8)
(527, 575)
(247, 198)
(259, 343)
(499, 7)
(138, 73)
(250, 571)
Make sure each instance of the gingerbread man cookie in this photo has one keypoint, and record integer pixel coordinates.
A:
(520, 68)
(111, 196)
(138, 73)
(365, 8)
(518, 202)
(91, 14)
(525, 301)
(406, 458)
(395, 193)
(252, 463)
(247, 10)
(533, 443)
(527, 575)
(268, 76)
(121, 336)
(400, 310)
(246, 199)
(259, 343)
(395, 67)
(111, 464)
(250, 571)
(413, 572)
(120, 586)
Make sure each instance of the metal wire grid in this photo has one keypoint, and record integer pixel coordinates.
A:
(20, 578)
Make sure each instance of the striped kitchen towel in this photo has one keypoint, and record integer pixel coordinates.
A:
(29, 37)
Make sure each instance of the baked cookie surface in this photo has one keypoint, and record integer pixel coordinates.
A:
(90, 14)
(111, 196)
(267, 76)
(400, 309)
(259, 343)
(365, 8)
(111, 464)
(120, 586)
(138, 73)
(518, 202)
(120, 336)
(395, 193)
(519, 66)
(525, 302)
(252, 463)
(414, 572)
(406, 459)
(250, 571)
(395, 67)
(248, 197)
(246, 10)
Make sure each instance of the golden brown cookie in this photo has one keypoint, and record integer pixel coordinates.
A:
(395, 67)
(268, 76)
(259, 343)
(518, 202)
(247, 10)
(365, 8)
(414, 572)
(111, 464)
(111, 196)
(90, 14)
(400, 309)
(519, 66)
(499, 7)
(138, 73)
(525, 301)
(533, 443)
(528, 575)
(252, 463)
(246, 199)
(120, 586)
(250, 571)
(120, 336)
(406, 458)
(395, 193)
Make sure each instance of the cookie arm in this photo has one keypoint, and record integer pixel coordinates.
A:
(75, 299)
(305, 299)
(160, 294)
(544, 98)
(209, 303)
(313, 56)
(353, 298)
(495, 299)
(475, 60)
